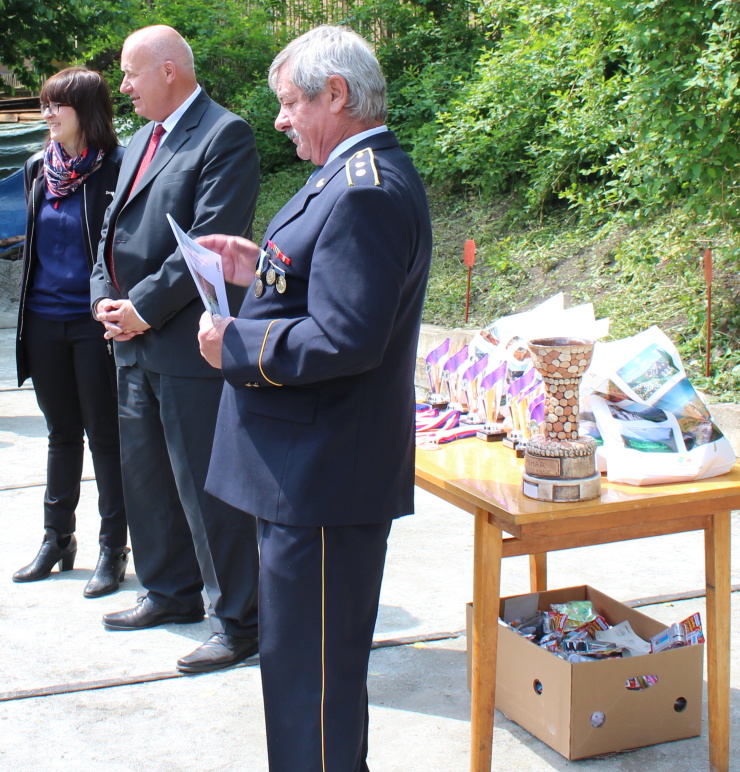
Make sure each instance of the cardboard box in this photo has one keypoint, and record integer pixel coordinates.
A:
(559, 702)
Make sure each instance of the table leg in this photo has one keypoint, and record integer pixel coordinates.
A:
(488, 552)
(538, 572)
(717, 562)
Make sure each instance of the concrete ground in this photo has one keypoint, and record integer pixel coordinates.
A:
(77, 698)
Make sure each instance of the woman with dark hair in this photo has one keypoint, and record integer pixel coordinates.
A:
(68, 187)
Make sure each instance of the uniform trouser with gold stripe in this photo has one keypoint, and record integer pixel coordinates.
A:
(318, 601)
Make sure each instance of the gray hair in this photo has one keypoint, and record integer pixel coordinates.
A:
(325, 51)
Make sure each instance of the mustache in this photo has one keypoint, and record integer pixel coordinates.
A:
(292, 134)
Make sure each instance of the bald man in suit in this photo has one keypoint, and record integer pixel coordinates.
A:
(197, 162)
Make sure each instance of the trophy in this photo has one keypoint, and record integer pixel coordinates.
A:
(435, 372)
(560, 465)
(471, 380)
(536, 414)
(517, 399)
(490, 393)
(452, 376)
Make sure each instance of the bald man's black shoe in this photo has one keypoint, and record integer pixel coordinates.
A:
(148, 614)
(218, 652)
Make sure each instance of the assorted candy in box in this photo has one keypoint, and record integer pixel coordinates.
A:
(686, 633)
(577, 633)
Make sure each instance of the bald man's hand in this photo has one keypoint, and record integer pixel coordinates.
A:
(120, 320)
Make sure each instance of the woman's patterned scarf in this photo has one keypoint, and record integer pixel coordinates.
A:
(64, 174)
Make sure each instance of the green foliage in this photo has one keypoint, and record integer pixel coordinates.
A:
(424, 48)
(681, 108)
(615, 106)
(535, 114)
(47, 33)
(259, 108)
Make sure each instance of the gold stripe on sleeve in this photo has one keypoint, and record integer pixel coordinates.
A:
(262, 351)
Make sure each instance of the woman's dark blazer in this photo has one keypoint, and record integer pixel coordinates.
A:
(97, 193)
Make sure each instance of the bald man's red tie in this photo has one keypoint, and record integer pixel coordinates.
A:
(151, 149)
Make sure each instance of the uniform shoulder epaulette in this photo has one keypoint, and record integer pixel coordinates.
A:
(361, 168)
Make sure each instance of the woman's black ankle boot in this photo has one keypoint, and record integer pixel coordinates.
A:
(109, 572)
(50, 553)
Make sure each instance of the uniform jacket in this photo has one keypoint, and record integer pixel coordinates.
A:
(206, 175)
(97, 193)
(316, 425)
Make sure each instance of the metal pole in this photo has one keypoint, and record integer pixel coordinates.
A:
(708, 279)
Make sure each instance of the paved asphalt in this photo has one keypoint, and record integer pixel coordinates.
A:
(77, 698)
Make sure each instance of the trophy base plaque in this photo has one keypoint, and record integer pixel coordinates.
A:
(491, 432)
(513, 439)
(577, 489)
(438, 402)
(555, 470)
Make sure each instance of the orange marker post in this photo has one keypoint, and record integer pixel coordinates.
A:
(469, 260)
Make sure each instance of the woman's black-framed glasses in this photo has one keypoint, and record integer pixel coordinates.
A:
(51, 107)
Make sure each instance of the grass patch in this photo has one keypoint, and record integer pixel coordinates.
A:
(637, 276)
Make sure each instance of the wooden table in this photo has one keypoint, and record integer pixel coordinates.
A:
(485, 479)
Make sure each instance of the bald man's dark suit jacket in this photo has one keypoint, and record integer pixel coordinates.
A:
(205, 173)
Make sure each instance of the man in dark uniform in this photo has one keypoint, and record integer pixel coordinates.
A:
(315, 435)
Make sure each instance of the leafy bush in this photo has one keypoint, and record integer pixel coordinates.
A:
(536, 114)
(46, 33)
(259, 108)
(681, 109)
(615, 106)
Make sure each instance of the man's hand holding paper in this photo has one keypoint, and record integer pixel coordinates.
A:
(238, 255)
(238, 263)
(205, 266)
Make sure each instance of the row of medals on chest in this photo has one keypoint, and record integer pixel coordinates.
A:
(273, 275)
